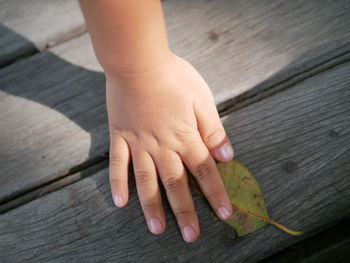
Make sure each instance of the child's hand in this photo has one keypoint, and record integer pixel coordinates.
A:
(161, 118)
(164, 119)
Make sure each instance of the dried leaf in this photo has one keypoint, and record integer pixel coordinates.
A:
(249, 210)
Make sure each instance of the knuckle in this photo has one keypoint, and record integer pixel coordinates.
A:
(213, 196)
(127, 135)
(202, 171)
(150, 206)
(215, 135)
(146, 141)
(114, 130)
(182, 212)
(115, 181)
(143, 176)
(116, 159)
(173, 182)
(185, 136)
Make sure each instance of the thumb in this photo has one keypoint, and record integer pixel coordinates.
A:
(212, 131)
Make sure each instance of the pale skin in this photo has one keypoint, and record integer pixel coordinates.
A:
(161, 114)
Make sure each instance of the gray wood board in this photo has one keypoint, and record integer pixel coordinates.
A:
(296, 143)
(53, 112)
(331, 245)
(13, 46)
(60, 132)
(236, 45)
(52, 119)
(31, 25)
(240, 45)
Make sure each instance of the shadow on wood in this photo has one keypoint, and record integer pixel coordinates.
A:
(53, 118)
(10, 43)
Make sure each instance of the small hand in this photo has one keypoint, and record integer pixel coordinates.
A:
(164, 119)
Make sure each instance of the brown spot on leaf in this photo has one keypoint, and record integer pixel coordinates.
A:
(245, 178)
(242, 218)
(244, 202)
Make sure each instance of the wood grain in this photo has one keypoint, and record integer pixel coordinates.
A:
(296, 143)
(13, 46)
(59, 96)
(241, 46)
(53, 118)
(238, 45)
(30, 25)
(331, 245)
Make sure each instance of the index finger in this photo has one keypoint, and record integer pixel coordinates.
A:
(202, 166)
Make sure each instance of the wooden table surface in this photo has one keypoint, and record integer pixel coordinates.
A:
(280, 75)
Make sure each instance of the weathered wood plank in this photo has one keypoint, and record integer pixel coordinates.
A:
(331, 245)
(62, 104)
(296, 143)
(241, 43)
(269, 28)
(238, 45)
(13, 46)
(53, 118)
(35, 24)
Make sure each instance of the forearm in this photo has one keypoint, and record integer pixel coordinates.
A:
(127, 35)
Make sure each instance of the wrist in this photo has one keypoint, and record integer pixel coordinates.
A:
(148, 66)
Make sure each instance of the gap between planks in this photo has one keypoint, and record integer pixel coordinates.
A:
(93, 165)
(264, 91)
(312, 119)
(330, 245)
(47, 47)
(32, 51)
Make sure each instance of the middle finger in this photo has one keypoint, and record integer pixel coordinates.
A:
(174, 178)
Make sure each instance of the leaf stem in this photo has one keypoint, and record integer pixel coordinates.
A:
(289, 231)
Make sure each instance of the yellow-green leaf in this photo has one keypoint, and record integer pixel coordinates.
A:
(249, 210)
(243, 191)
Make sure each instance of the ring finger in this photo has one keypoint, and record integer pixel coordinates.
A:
(148, 191)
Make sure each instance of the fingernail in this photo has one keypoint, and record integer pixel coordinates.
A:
(155, 226)
(224, 213)
(118, 199)
(226, 151)
(189, 234)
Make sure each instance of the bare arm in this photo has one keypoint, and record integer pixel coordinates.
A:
(128, 35)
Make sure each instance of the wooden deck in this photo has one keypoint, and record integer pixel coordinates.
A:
(280, 75)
